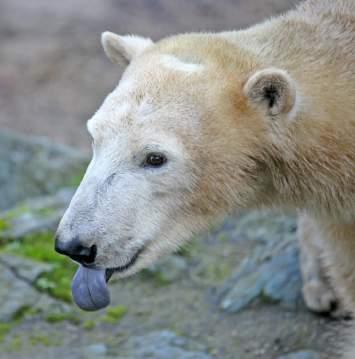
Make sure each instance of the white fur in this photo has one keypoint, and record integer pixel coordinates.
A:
(173, 63)
(122, 49)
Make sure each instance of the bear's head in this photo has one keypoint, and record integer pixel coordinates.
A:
(184, 138)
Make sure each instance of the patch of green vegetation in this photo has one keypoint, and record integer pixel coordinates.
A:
(57, 282)
(223, 237)
(23, 312)
(4, 224)
(40, 247)
(184, 251)
(76, 178)
(114, 314)
(15, 344)
(45, 212)
(44, 339)
(5, 328)
(214, 272)
(190, 248)
(158, 278)
(18, 343)
(89, 324)
(219, 271)
(16, 212)
(57, 317)
(266, 299)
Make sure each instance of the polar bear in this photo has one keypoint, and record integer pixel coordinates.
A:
(204, 124)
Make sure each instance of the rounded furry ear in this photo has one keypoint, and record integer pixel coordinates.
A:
(122, 49)
(271, 90)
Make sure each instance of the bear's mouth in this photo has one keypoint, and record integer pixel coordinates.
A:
(89, 287)
(109, 271)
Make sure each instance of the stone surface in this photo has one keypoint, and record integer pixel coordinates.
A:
(94, 351)
(36, 214)
(162, 345)
(17, 291)
(31, 167)
(272, 272)
(301, 355)
(168, 270)
(15, 295)
(24, 269)
(264, 227)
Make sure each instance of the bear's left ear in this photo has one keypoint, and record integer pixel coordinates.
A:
(272, 91)
(122, 49)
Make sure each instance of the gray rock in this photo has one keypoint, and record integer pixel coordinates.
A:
(301, 355)
(17, 291)
(272, 273)
(168, 270)
(23, 268)
(94, 351)
(260, 226)
(162, 345)
(32, 167)
(15, 295)
(36, 214)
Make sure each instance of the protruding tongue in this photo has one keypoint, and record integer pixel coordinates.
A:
(89, 289)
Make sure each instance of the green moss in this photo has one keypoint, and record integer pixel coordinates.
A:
(45, 212)
(4, 224)
(16, 212)
(214, 272)
(18, 343)
(184, 251)
(190, 248)
(161, 280)
(44, 339)
(219, 271)
(114, 314)
(223, 237)
(57, 282)
(60, 317)
(158, 278)
(76, 178)
(5, 328)
(23, 312)
(40, 247)
(15, 344)
(89, 325)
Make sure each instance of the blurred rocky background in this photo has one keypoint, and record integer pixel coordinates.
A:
(233, 293)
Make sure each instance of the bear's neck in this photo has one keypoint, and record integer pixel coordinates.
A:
(317, 171)
(320, 179)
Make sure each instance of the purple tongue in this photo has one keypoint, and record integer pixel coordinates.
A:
(89, 289)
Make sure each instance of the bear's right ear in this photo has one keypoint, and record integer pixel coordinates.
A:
(122, 49)
(272, 91)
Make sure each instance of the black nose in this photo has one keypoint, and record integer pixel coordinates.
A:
(76, 250)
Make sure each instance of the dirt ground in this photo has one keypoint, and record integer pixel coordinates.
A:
(53, 73)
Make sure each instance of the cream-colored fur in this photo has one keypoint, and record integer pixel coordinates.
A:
(318, 292)
(259, 117)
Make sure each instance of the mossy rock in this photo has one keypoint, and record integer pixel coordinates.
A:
(40, 247)
(33, 215)
(115, 314)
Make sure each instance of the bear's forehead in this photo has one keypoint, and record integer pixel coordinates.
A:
(140, 102)
(158, 95)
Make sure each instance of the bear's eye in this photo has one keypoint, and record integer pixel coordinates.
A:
(154, 160)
